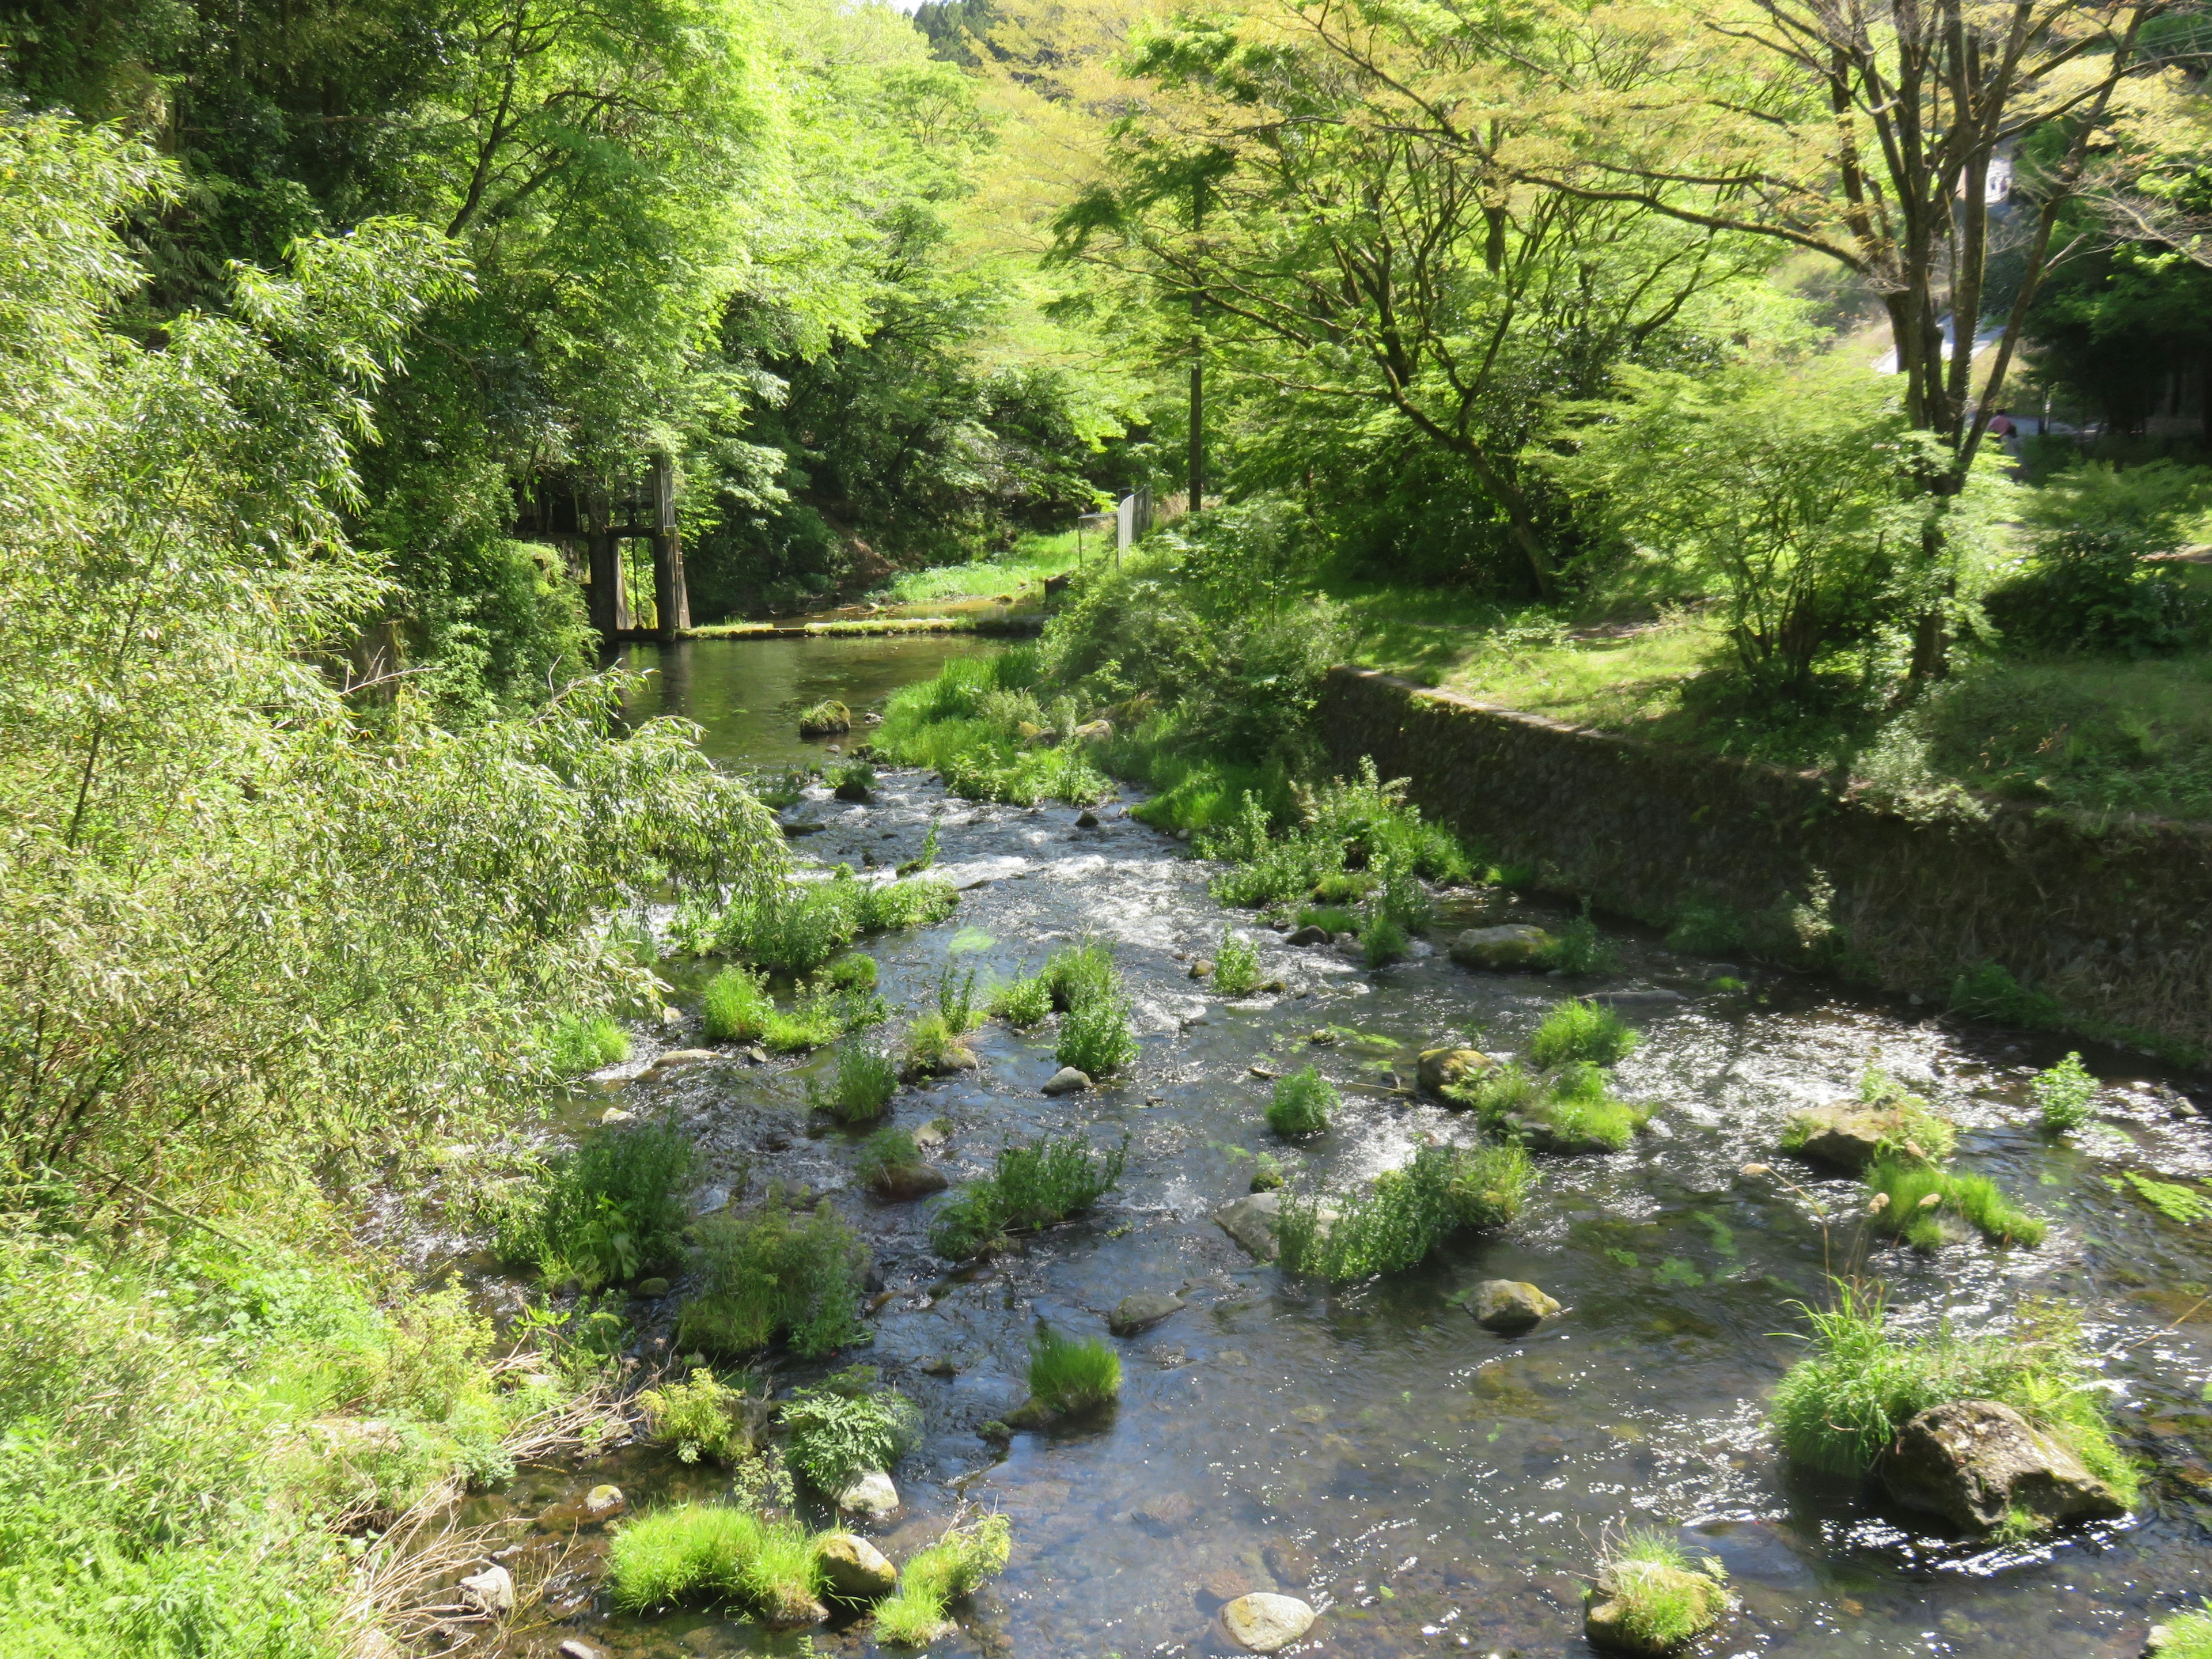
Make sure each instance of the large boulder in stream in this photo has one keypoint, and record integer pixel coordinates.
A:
(1978, 1462)
(1851, 1134)
(1617, 1610)
(1443, 1068)
(870, 1493)
(1134, 1312)
(853, 1570)
(1515, 944)
(1251, 1222)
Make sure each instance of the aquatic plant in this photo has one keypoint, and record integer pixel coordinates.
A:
(580, 1044)
(605, 1210)
(848, 1425)
(954, 1566)
(1028, 1187)
(1095, 1036)
(1839, 1409)
(770, 1272)
(1023, 1003)
(854, 971)
(1496, 1094)
(700, 1416)
(1331, 918)
(853, 780)
(1069, 1375)
(1659, 1600)
(915, 901)
(1579, 1030)
(736, 1007)
(716, 1553)
(860, 1087)
(932, 1048)
(1235, 966)
(1914, 1201)
(1302, 1103)
(1578, 1109)
(1381, 942)
(2188, 1636)
(1576, 946)
(826, 719)
(956, 1000)
(2064, 1095)
(883, 1156)
(820, 1016)
(1076, 974)
(1406, 1213)
(2170, 1199)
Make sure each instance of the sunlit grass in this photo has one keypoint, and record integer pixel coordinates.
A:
(1025, 565)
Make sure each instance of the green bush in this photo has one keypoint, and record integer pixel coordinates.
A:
(1077, 973)
(1915, 1200)
(2065, 1095)
(1989, 992)
(953, 1567)
(883, 1155)
(1023, 1003)
(1235, 966)
(1579, 1030)
(915, 901)
(821, 1017)
(1070, 1374)
(846, 1425)
(854, 971)
(699, 1417)
(1577, 947)
(861, 1088)
(770, 1274)
(1495, 1095)
(606, 1210)
(579, 1044)
(1662, 1601)
(1381, 942)
(736, 1007)
(933, 1049)
(1405, 1214)
(790, 928)
(2087, 587)
(1839, 1409)
(715, 1553)
(1302, 1103)
(1028, 1187)
(1095, 1036)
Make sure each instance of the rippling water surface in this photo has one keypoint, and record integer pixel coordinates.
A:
(1432, 1487)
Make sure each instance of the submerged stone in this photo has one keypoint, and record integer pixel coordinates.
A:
(1442, 1068)
(650, 1288)
(1977, 1463)
(491, 1591)
(907, 1181)
(1510, 1306)
(1515, 944)
(853, 1570)
(604, 1501)
(1251, 1222)
(1066, 1081)
(1263, 1621)
(1133, 1313)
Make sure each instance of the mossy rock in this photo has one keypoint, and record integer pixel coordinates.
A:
(1516, 946)
(1851, 1134)
(1649, 1611)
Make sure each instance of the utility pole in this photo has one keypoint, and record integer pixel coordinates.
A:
(1197, 365)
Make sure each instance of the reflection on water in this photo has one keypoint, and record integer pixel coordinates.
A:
(1432, 1487)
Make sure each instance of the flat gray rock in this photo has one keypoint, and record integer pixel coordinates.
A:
(1976, 1461)
(1515, 944)
(1066, 1081)
(1251, 1222)
(1133, 1313)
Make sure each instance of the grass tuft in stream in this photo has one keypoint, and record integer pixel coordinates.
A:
(1407, 1213)
(860, 1085)
(793, 928)
(2065, 1095)
(736, 1007)
(771, 1274)
(953, 1567)
(1235, 966)
(2189, 1636)
(702, 1416)
(1660, 1602)
(582, 1043)
(1576, 1030)
(1024, 1002)
(1095, 1036)
(1302, 1103)
(714, 1553)
(885, 1157)
(1070, 1374)
(1030, 1187)
(1919, 1203)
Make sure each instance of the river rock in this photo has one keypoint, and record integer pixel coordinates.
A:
(614, 1115)
(604, 1503)
(1066, 1081)
(871, 1494)
(1086, 819)
(1608, 1627)
(650, 1288)
(1263, 1621)
(1515, 944)
(1308, 934)
(853, 790)
(1093, 732)
(677, 1057)
(1845, 1135)
(1251, 1222)
(905, 1181)
(1134, 1312)
(491, 1591)
(1510, 1306)
(1975, 1461)
(572, 1649)
(854, 1569)
(1441, 1068)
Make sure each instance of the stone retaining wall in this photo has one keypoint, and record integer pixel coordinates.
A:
(2115, 922)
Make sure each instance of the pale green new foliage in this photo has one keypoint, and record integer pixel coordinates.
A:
(1235, 966)
(578, 1044)
(699, 1417)
(736, 1007)
(847, 1426)
(954, 1566)
(1579, 1030)
(1070, 1374)
(2065, 1095)
(1663, 1601)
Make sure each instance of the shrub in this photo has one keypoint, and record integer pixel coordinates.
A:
(1705, 929)
(956, 1001)
(883, 1155)
(1662, 1601)
(1838, 1408)
(847, 1426)
(699, 1417)
(1077, 973)
(953, 1567)
(821, 1017)
(1068, 1375)
(715, 1553)
(1405, 1214)
(916, 902)
(1028, 1187)
(2064, 1095)
(578, 1044)
(792, 927)
(1989, 992)
(1235, 966)
(736, 1007)
(1577, 947)
(769, 1273)
(1579, 1030)
(1023, 1003)
(1095, 1036)
(1381, 942)
(1302, 1103)
(932, 1048)
(2087, 587)
(1914, 1201)
(861, 1088)
(604, 1211)
(826, 719)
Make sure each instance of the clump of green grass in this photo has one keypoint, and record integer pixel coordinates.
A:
(1333, 919)
(794, 927)
(1661, 1600)
(1028, 1187)
(1498, 1094)
(1381, 941)
(603, 1212)
(953, 1567)
(848, 1425)
(580, 1044)
(1991, 992)
(854, 781)
(2189, 1636)
(914, 902)
(1302, 1103)
(933, 1049)
(1070, 1374)
(1922, 1132)
(1915, 1201)
(1095, 1036)
(860, 1087)
(818, 1018)
(2065, 1095)
(883, 1156)
(1024, 1002)
(2172, 1200)
(736, 1007)
(1838, 1408)
(770, 1274)
(854, 971)
(1405, 1214)
(699, 1417)
(1579, 1109)
(1706, 929)
(1075, 973)
(826, 719)
(715, 1553)
(1579, 1030)
(1577, 946)
(956, 1000)
(1342, 887)
(1235, 966)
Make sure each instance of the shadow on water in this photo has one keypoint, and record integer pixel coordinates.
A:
(1432, 1487)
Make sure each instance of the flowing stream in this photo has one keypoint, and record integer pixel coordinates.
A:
(1430, 1486)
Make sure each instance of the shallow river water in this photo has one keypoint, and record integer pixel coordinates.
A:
(1430, 1487)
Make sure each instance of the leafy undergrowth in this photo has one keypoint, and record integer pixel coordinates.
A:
(797, 928)
(846, 1425)
(1069, 1375)
(1396, 1223)
(771, 1274)
(954, 1567)
(602, 1211)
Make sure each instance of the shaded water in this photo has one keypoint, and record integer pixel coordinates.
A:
(1432, 1487)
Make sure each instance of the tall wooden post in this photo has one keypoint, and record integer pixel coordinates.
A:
(671, 603)
(609, 593)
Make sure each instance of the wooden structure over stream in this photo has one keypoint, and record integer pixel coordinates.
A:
(591, 523)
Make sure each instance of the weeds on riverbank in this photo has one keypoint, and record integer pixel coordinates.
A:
(848, 1425)
(1839, 1409)
(581, 1043)
(1028, 1187)
(770, 1274)
(702, 1416)
(979, 725)
(1405, 1214)
(1071, 1374)
(1302, 1103)
(954, 1567)
(1918, 1201)
(602, 1211)
(716, 1553)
